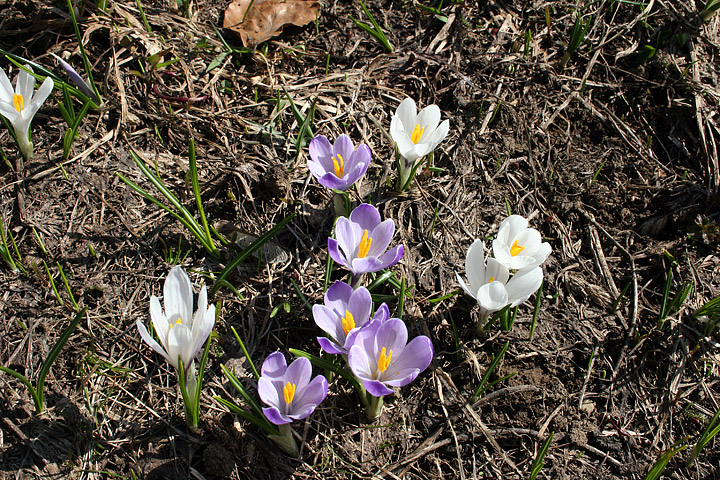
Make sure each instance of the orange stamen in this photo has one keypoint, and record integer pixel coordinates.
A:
(364, 246)
(18, 102)
(384, 359)
(348, 322)
(289, 392)
(516, 249)
(417, 133)
(339, 165)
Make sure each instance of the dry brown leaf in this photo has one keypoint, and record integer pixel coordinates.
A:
(267, 18)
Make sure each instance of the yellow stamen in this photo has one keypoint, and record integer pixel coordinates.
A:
(384, 361)
(516, 249)
(348, 322)
(364, 246)
(177, 322)
(417, 133)
(492, 279)
(18, 102)
(289, 392)
(339, 165)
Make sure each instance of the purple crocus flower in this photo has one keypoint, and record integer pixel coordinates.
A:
(381, 357)
(338, 166)
(288, 391)
(361, 241)
(77, 79)
(345, 312)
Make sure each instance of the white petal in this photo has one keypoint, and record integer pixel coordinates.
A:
(530, 239)
(43, 92)
(511, 227)
(475, 264)
(24, 85)
(147, 338)
(501, 251)
(178, 295)
(523, 284)
(9, 112)
(497, 271)
(438, 135)
(465, 286)
(201, 309)
(407, 149)
(6, 89)
(542, 253)
(428, 118)
(397, 130)
(159, 320)
(180, 343)
(407, 113)
(492, 296)
(201, 334)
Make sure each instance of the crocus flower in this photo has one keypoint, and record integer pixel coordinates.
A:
(489, 285)
(517, 246)
(362, 240)
(338, 166)
(288, 391)
(19, 106)
(181, 334)
(342, 316)
(381, 357)
(417, 134)
(77, 79)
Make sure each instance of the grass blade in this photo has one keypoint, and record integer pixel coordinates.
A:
(55, 352)
(538, 464)
(491, 368)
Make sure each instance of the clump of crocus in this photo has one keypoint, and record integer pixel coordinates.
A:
(518, 246)
(19, 105)
(290, 394)
(489, 283)
(518, 250)
(340, 165)
(345, 312)
(361, 243)
(416, 136)
(381, 358)
(181, 335)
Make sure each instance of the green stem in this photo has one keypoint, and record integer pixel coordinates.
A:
(285, 440)
(374, 408)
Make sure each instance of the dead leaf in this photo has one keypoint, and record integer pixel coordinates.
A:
(267, 18)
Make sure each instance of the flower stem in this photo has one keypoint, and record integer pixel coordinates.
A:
(374, 408)
(285, 440)
(25, 144)
(341, 202)
(356, 280)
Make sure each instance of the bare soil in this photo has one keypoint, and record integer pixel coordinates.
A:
(614, 158)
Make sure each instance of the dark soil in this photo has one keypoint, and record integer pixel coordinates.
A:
(613, 158)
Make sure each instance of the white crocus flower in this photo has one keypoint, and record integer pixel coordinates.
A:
(181, 335)
(19, 105)
(519, 247)
(489, 284)
(417, 134)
